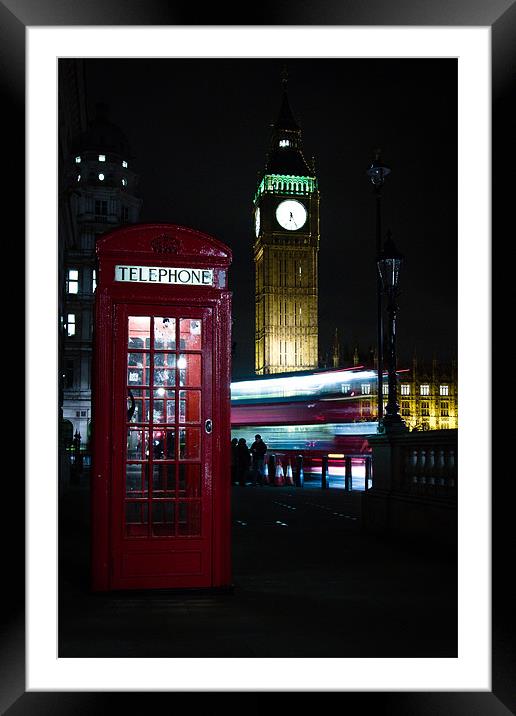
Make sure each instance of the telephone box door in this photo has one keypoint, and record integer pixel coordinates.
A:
(161, 500)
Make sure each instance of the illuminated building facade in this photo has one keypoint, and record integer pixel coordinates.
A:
(286, 222)
(98, 193)
(428, 396)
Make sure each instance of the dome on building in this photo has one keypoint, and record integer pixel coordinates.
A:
(102, 135)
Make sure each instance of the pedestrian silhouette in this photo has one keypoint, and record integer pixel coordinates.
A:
(234, 460)
(243, 461)
(258, 450)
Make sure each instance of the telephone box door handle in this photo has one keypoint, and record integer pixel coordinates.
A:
(208, 426)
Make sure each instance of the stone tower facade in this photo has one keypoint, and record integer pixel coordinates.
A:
(100, 192)
(285, 251)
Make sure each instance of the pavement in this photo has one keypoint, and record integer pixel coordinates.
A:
(307, 582)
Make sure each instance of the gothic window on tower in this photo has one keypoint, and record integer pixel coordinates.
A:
(282, 272)
(72, 281)
(283, 352)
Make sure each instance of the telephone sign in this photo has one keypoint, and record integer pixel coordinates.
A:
(165, 274)
(161, 410)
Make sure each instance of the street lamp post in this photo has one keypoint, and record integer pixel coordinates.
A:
(377, 173)
(389, 265)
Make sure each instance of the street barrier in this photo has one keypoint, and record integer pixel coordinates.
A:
(289, 477)
(279, 479)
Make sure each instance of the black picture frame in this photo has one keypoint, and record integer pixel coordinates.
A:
(500, 16)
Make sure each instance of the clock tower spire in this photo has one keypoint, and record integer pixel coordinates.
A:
(286, 218)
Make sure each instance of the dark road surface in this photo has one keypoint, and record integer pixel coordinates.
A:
(307, 583)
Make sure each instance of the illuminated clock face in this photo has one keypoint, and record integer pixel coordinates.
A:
(257, 221)
(291, 214)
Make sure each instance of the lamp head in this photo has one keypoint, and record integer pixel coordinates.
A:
(389, 265)
(378, 171)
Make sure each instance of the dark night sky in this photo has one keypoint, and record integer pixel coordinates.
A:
(199, 130)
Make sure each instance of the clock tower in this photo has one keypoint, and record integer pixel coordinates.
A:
(286, 222)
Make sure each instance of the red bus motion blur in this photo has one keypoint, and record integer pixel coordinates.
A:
(327, 412)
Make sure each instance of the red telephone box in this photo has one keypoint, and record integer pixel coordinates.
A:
(160, 480)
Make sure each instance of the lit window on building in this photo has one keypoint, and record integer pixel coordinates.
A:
(425, 408)
(124, 164)
(405, 408)
(424, 389)
(77, 160)
(78, 177)
(284, 143)
(444, 390)
(70, 324)
(93, 280)
(345, 387)
(72, 281)
(444, 410)
(366, 406)
(405, 389)
(102, 157)
(124, 182)
(385, 388)
(101, 177)
(366, 388)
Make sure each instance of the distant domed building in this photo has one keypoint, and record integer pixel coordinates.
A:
(99, 191)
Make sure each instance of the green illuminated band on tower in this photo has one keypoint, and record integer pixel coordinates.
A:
(286, 183)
